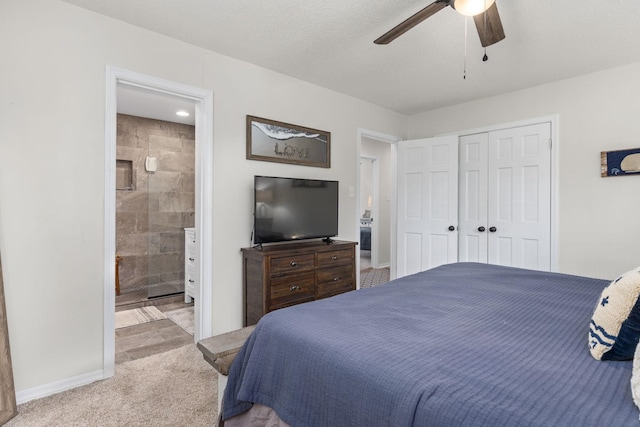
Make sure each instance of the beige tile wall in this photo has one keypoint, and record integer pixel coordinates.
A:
(151, 217)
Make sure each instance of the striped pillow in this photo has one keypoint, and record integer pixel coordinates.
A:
(615, 325)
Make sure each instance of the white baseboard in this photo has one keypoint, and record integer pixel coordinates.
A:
(45, 390)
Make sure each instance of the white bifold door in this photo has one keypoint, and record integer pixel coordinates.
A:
(505, 197)
(481, 198)
(427, 211)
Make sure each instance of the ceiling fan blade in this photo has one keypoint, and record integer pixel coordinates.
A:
(411, 22)
(492, 32)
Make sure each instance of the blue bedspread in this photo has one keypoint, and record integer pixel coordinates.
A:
(460, 345)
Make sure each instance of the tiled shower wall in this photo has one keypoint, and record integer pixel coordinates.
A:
(153, 208)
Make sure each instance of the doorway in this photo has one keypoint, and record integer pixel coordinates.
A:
(376, 207)
(203, 101)
(368, 204)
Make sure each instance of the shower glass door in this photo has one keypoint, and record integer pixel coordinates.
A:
(171, 181)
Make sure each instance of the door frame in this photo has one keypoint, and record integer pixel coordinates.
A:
(554, 120)
(203, 100)
(392, 140)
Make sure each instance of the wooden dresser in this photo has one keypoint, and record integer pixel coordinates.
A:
(283, 275)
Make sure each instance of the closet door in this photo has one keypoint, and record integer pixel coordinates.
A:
(427, 204)
(472, 233)
(519, 197)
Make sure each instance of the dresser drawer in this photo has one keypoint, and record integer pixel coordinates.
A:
(335, 280)
(292, 263)
(190, 258)
(190, 282)
(341, 257)
(292, 288)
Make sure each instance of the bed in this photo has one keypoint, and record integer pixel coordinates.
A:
(460, 345)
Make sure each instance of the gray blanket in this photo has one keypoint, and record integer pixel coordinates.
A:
(460, 345)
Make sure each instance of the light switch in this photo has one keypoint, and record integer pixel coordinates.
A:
(352, 192)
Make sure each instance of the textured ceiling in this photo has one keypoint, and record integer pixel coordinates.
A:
(330, 43)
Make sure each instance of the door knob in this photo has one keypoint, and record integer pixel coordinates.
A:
(481, 229)
(451, 228)
(493, 229)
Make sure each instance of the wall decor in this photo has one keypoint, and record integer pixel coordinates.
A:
(620, 162)
(273, 141)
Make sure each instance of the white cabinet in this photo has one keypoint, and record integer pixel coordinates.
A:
(190, 264)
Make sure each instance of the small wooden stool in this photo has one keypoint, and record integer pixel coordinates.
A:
(118, 259)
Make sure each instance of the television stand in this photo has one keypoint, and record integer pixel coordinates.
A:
(328, 240)
(284, 275)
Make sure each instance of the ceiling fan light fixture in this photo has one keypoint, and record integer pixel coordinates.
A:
(472, 7)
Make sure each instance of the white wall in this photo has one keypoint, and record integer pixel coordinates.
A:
(382, 152)
(52, 144)
(599, 220)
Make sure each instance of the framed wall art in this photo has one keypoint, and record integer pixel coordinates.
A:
(273, 141)
(620, 162)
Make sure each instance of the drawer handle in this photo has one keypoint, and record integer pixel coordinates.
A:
(192, 259)
(335, 279)
(334, 257)
(293, 263)
(294, 288)
(191, 281)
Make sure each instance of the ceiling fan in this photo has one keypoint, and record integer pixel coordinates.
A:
(484, 12)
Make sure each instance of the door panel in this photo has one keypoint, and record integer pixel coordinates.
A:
(413, 254)
(413, 186)
(427, 203)
(519, 183)
(473, 198)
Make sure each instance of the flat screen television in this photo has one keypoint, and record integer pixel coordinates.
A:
(288, 209)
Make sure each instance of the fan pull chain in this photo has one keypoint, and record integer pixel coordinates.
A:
(464, 70)
(485, 58)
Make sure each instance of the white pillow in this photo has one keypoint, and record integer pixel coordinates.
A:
(615, 326)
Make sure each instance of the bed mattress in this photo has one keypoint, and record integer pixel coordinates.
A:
(460, 345)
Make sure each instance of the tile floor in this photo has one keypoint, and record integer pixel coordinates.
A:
(135, 342)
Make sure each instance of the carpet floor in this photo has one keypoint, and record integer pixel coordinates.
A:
(175, 388)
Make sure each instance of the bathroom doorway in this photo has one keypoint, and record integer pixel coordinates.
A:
(202, 168)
